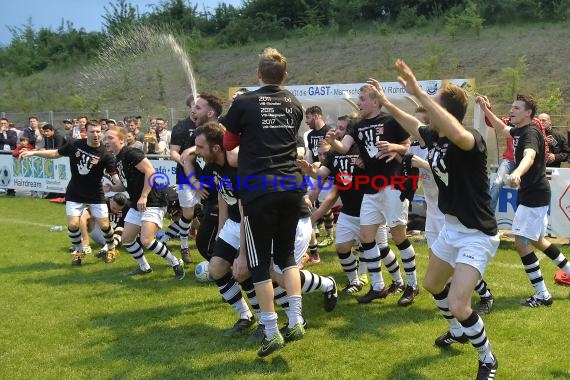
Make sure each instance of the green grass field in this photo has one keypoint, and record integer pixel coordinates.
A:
(94, 322)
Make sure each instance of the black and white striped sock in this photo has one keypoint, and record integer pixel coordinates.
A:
(553, 252)
(371, 256)
(532, 269)
(349, 265)
(311, 282)
(75, 238)
(136, 252)
(163, 251)
(408, 256)
(231, 293)
(474, 328)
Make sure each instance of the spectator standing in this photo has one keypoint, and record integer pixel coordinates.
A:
(52, 139)
(23, 146)
(8, 142)
(8, 138)
(132, 141)
(32, 131)
(558, 150)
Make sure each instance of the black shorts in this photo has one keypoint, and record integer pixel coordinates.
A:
(225, 251)
(271, 221)
(206, 237)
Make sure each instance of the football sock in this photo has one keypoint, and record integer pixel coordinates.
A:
(408, 256)
(532, 269)
(349, 265)
(371, 256)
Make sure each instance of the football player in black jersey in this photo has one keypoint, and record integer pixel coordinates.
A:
(533, 196)
(469, 239)
(118, 205)
(182, 138)
(148, 204)
(380, 139)
(315, 138)
(265, 123)
(344, 169)
(223, 167)
(88, 160)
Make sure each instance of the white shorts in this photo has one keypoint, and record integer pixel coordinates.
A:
(186, 196)
(459, 244)
(384, 207)
(434, 223)
(151, 214)
(96, 234)
(230, 233)
(347, 228)
(97, 210)
(302, 240)
(431, 237)
(530, 222)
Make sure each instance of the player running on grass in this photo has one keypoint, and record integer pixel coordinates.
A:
(469, 238)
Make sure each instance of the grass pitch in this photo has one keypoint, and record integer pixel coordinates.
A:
(94, 322)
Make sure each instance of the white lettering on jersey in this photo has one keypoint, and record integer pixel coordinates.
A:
(86, 161)
(370, 143)
(225, 188)
(437, 163)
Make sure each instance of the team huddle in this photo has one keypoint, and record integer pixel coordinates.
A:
(256, 218)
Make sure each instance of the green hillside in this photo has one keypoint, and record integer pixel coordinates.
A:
(140, 80)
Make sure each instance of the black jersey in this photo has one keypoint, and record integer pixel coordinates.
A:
(314, 139)
(461, 177)
(344, 170)
(534, 188)
(184, 135)
(118, 219)
(305, 210)
(366, 134)
(225, 178)
(134, 180)
(87, 166)
(268, 121)
(206, 178)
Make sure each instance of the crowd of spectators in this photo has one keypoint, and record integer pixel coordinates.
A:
(153, 138)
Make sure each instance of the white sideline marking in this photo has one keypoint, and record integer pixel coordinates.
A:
(27, 222)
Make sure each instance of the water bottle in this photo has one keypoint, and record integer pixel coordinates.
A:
(56, 228)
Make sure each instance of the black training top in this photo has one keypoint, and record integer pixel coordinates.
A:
(133, 179)
(305, 210)
(461, 177)
(314, 138)
(87, 165)
(206, 178)
(227, 186)
(118, 220)
(184, 135)
(268, 121)
(534, 189)
(350, 194)
(366, 134)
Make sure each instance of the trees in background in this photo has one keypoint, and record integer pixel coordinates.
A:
(30, 51)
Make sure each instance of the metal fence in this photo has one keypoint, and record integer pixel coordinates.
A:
(55, 118)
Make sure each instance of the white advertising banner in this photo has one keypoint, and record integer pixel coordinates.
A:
(342, 90)
(52, 176)
(34, 174)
